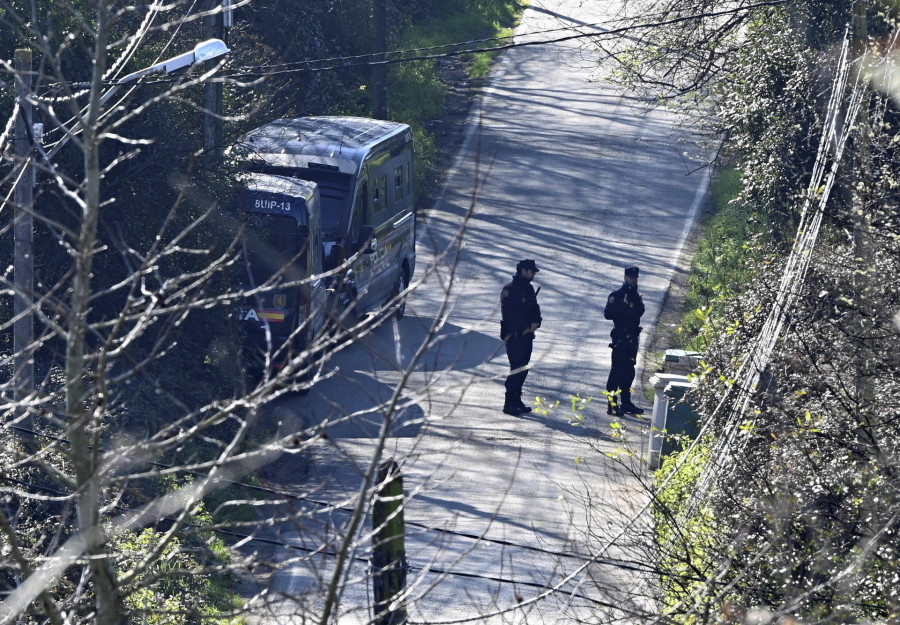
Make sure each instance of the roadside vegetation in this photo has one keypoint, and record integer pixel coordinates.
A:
(416, 92)
(786, 508)
(720, 269)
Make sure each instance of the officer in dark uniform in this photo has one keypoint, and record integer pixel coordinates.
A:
(521, 318)
(624, 307)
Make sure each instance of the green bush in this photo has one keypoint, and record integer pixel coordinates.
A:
(721, 269)
(415, 91)
(686, 532)
(176, 589)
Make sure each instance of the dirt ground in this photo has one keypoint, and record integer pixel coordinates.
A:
(448, 129)
(665, 335)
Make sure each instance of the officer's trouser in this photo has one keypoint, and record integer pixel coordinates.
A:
(621, 374)
(518, 350)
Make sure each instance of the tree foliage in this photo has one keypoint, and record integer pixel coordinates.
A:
(800, 480)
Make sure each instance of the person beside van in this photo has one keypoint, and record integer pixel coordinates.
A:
(521, 317)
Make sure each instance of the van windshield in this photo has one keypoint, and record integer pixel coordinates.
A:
(334, 202)
(272, 244)
(334, 189)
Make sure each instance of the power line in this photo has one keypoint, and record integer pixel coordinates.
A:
(402, 56)
(833, 139)
(378, 56)
(5, 135)
(375, 59)
(368, 60)
(318, 551)
(241, 536)
(421, 569)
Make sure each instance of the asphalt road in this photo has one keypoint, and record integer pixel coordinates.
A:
(559, 167)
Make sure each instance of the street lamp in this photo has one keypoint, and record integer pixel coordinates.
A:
(203, 51)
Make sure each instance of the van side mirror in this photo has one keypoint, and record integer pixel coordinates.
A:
(367, 243)
(336, 257)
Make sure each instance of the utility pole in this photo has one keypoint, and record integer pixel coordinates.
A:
(23, 263)
(214, 93)
(379, 69)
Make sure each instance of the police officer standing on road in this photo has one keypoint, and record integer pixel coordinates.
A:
(624, 307)
(521, 319)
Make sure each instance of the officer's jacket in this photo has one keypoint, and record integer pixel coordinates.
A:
(625, 307)
(519, 307)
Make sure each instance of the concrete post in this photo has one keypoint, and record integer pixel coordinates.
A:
(389, 549)
(213, 98)
(660, 382)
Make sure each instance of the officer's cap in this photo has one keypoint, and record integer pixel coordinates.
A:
(528, 263)
(632, 272)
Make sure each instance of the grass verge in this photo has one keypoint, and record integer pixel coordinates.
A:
(719, 270)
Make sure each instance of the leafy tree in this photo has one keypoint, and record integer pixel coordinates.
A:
(795, 466)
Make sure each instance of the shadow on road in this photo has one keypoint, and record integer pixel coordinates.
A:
(352, 399)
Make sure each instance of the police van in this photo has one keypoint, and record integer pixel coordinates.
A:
(363, 169)
(281, 272)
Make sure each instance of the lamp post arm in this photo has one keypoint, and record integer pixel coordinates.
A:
(203, 51)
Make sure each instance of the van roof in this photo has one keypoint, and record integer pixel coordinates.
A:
(279, 195)
(339, 143)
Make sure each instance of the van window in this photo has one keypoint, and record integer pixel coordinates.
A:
(273, 244)
(360, 209)
(379, 194)
(333, 202)
(398, 183)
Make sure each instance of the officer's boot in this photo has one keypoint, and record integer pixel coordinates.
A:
(613, 407)
(511, 404)
(629, 407)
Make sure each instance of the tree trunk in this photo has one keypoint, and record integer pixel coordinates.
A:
(83, 431)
